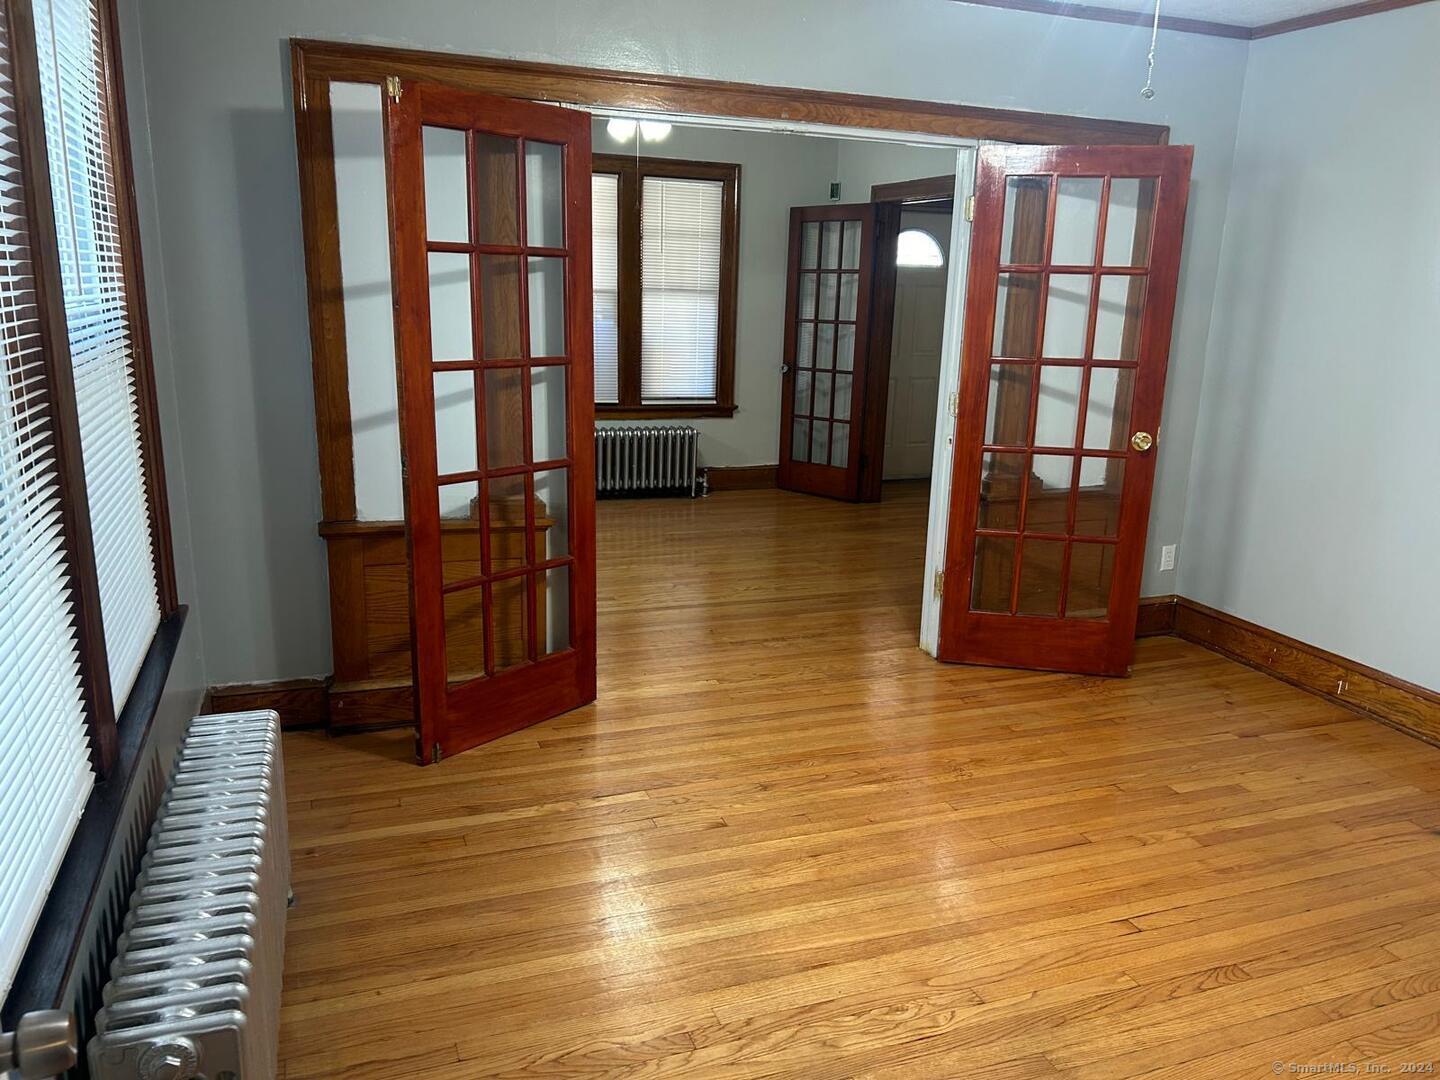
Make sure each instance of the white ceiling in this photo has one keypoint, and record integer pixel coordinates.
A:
(1234, 12)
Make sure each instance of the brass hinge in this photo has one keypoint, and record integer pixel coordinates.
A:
(392, 87)
(954, 405)
(939, 583)
(969, 207)
(435, 754)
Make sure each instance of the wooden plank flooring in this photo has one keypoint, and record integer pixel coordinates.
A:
(785, 843)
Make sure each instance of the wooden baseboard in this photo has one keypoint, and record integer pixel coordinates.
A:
(1156, 617)
(301, 703)
(371, 707)
(1404, 705)
(319, 703)
(741, 477)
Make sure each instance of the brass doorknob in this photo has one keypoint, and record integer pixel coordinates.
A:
(1142, 441)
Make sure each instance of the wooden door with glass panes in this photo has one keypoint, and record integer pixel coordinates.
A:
(838, 308)
(1075, 256)
(490, 245)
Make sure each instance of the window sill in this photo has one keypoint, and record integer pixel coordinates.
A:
(56, 943)
(662, 412)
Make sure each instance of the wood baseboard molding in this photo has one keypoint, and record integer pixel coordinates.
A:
(373, 706)
(301, 703)
(1404, 705)
(1156, 617)
(320, 703)
(741, 477)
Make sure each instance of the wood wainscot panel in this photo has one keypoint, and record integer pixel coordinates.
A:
(370, 608)
(1156, 616)
(301, 703)
(740, 477)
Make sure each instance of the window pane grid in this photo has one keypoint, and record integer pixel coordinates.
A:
(505, 592)
(1070, 295)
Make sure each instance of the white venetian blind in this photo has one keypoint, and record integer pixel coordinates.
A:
(680, 288)
(44, 761)
(83, 178)
(605, 258)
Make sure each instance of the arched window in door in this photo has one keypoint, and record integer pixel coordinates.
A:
(916, 247)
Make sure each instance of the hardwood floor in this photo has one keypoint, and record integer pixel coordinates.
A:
(785, 843)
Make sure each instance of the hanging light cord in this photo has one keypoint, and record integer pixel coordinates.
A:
(1148, 91)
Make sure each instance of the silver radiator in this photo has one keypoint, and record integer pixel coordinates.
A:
(640, 460)
(194, 990)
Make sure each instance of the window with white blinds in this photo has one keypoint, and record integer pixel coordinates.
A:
(680, 231)
(45, 771)
(74, 92)
(665, 239)
(605, 255)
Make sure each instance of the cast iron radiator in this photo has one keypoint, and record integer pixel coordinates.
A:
(194, 989)
(636, 460)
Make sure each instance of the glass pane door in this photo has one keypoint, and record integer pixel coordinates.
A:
(833, 275)
(1072, 288)
(499, 466)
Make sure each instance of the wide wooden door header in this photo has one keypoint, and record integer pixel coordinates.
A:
(341, 61)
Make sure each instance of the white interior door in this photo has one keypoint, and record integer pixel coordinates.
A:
(957, 263)
(915, 354)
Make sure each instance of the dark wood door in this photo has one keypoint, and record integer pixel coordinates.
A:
(839, 303)
(490, 235)
(1074, 262)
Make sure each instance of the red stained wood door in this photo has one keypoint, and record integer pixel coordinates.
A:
(840, 289)
(490, 249)
(1075, 257)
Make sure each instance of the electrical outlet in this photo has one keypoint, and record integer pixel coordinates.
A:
(1167, 557)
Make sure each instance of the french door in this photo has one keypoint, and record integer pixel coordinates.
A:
(838, 307)
(1075, 256)
(490, 249)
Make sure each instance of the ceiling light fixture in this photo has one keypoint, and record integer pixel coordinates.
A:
(620, 129)
(1148, 90)
(654, 130)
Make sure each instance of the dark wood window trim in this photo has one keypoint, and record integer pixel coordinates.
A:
(82, 583)
(90, 634)
(143, 365)
(632, 172)
(316, 64)
(50, 300)
(120, 745)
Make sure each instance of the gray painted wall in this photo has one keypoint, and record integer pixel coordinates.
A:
(225, 210)
(864, 164)
(1315, 488)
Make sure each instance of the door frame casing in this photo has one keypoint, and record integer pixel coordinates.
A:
(315, 64)
(942, 463)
